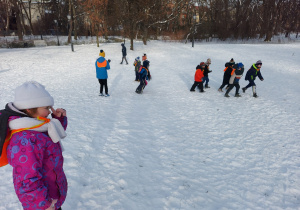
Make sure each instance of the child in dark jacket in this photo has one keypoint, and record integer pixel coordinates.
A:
(236, 75)
(124, 53)
(251, 75)
(198, 78)
(227, 74)
(206, 71)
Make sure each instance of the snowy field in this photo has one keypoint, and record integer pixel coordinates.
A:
(169, 148)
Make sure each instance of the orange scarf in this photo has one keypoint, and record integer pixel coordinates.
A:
(3, 158)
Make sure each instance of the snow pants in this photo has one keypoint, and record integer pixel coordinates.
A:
(103, 83)
(231, 86)
(142, 85)
(205, 79)
(226, 79)
(251, 83)
(124, 57)
(137, 76)
(199, 84)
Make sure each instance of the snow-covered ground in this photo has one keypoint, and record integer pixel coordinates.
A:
(169, 148)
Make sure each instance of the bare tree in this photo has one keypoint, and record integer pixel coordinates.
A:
(27, 13)
(17, 13)
(4, 15)
(96, 12)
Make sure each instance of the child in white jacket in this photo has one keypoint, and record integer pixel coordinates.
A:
(236, 75)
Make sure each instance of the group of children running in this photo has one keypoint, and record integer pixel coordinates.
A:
(232, 75)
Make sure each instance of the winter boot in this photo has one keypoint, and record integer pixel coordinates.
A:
(202, 91)
(226, 95)
(206, 86)
(244, 89)
(254, 91)
(101, 94)
(220, 90)
(237, 95)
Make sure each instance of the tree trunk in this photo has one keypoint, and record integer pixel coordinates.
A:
(18, 19)
(19, 26)
(145, 35)
(7, 22)
(75, 21)
(131, 34)
(97, 34)
(157, 33)
(70, 22)
(22, 21)
(227, 19)
(268, 15)
(145, 29)
(105, 30)
(28, 15)
(131, 43)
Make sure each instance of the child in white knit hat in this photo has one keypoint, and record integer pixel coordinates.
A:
(137, 65)
(30, 143)
(206, 72)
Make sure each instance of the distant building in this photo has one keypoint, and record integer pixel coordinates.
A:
(37, 8)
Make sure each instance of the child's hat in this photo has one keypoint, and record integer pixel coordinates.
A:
(102, 53)
(202, 64)
(240, 65)
(258, 62)
(144, 57)
(231, 62)
(137, 58)
(32, 95)
(208, 61)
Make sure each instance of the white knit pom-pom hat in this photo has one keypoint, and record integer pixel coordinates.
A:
(32, 95)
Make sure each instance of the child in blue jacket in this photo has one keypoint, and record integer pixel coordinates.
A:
(144, 74)
(102, 65)
(236, 75)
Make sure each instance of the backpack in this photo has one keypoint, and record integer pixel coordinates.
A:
(3, 157)
(4, 136)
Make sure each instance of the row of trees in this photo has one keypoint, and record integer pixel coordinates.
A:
(178, 19)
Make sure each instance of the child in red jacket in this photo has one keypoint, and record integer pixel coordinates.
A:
(198, 78)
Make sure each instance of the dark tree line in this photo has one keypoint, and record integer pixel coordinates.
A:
(178, 19)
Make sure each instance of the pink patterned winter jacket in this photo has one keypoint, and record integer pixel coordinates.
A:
(38, 173)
